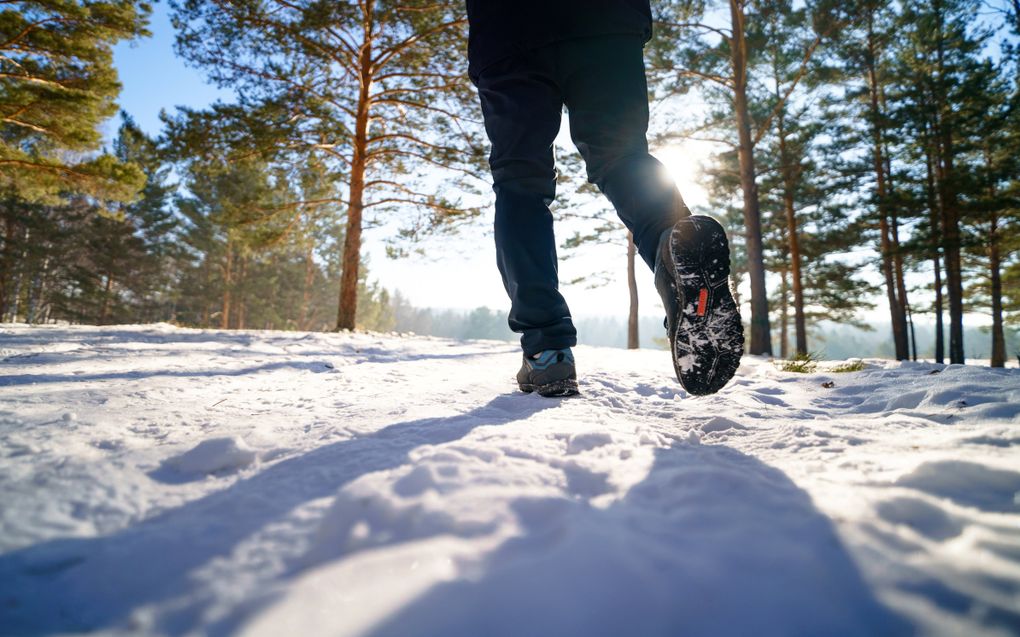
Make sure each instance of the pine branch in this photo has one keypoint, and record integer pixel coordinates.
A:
(801, 72)
(387, 54)
(426, 107)
(725, 34)
(415, 140)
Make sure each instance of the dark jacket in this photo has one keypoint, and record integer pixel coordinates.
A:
(502, 27)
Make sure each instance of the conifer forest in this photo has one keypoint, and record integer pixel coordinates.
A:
(867, 155)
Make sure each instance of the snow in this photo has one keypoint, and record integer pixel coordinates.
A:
(157, 480)
(213, 455)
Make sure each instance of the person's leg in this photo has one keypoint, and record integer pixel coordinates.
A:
(604, 88)
(603, 81)
(522, 108)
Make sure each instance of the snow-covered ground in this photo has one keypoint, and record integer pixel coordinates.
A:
(158, 480)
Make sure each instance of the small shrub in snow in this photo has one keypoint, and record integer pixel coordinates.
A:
(800, 364)
(852, 365)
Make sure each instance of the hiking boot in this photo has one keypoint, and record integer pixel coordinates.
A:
(706, 337)
(550, 373)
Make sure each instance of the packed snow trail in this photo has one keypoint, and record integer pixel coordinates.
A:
(156, 480)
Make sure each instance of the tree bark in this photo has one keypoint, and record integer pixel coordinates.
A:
(19, 272)
(998, 333)
(36, 291)
(19, 278)
(998, 358)
(933, 218)
(793, 239)
(951, 249)
(895, 309)
(901, 284)
(206, 297)
(228, 264)
(243, 268)
(351, 259)
(950, 205)
(5, 258)
(633, 342)
(940, 327)
(304, 317)
(107, 289)
(897, 252)
(878, 165)
(913, 334)
(760, 341)
(784, 314)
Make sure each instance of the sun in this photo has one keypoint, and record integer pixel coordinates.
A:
(684, 161)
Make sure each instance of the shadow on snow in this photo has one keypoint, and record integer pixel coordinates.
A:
(711, 542)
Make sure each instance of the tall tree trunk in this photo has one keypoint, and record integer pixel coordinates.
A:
(633, 342)
(940, 327)
(897, 251)
(998, 358)
(20, 271)
(933, 217)
(901, 284)
(792, 238)
(998, 333)
(913, 334)
(304, 316)
(5, 258)
(879, 166)
(228, 266)
(35, 292)
(242, 297)
(950, 204)
(351, 259)
(760, 342)
(784, 314)
(206, 303)
(104, 313)
(19, 278)
(954, 276)
(950, 226)
(895, 309)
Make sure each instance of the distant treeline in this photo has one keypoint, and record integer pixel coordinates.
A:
(826, 340)
(486, 323)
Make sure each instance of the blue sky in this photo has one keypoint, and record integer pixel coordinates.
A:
(155, 79)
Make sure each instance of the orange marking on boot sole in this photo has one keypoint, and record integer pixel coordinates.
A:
(702, 301)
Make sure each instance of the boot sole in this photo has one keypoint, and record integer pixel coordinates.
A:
(556, 389)
(708, 340)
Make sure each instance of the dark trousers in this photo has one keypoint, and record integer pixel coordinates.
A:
(601, 80)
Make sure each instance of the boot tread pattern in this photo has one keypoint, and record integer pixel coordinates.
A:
(708, 340)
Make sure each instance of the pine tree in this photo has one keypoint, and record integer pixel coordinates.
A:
(228, 225)
(946, 49)
(783, 45)
(375, 89)
(992, 218)
(869, 58)
(57, 85)
(722, 61)
(136, 242)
